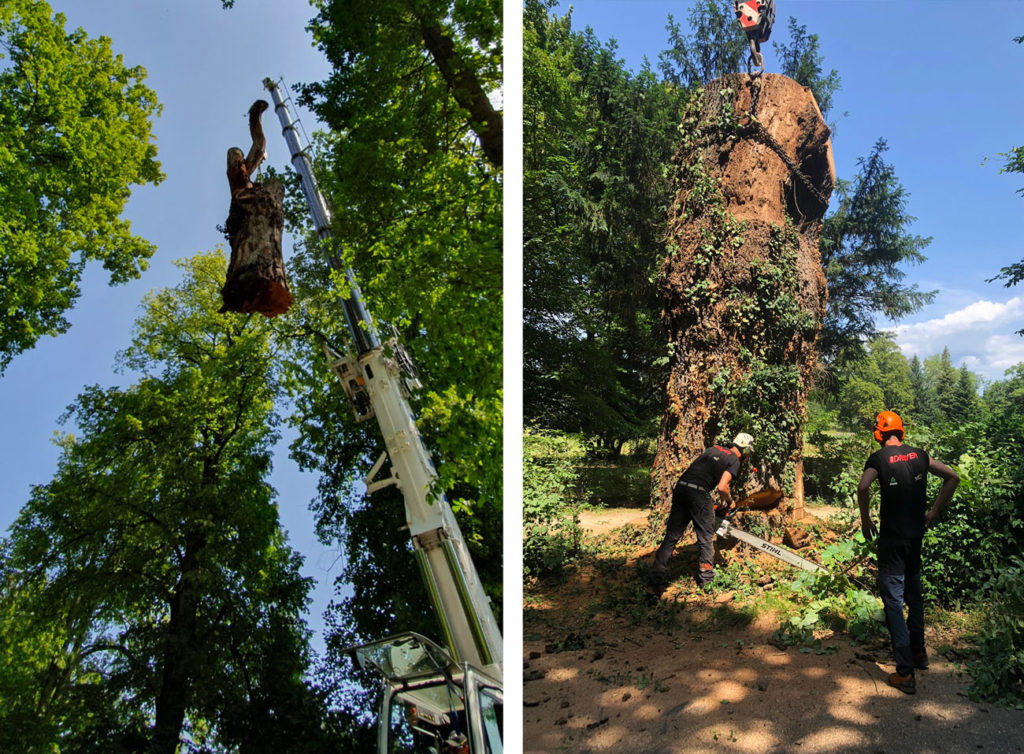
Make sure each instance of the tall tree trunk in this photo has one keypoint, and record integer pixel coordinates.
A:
(485, 120)
(177, 673)
(743, 289)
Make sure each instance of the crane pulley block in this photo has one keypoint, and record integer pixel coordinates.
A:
(756, 17)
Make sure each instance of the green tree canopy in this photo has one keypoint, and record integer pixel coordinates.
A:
(597, 141)
(897, 380)
(880, 380)
(943, 377)
(411, 165)
(75, 126)
(802, 61)
(925, 405)
(965, 402)
(417, 214)
(157, 597)
(452, 50)
(716, 46)
(933, 393)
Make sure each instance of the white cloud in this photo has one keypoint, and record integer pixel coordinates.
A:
(1006, 351)
(980, 335)
(970, 317)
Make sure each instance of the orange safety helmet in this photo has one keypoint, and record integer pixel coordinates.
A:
(888, 421)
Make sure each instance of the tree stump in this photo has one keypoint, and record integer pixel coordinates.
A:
(796, 538)
(742, 285)
(256, 280)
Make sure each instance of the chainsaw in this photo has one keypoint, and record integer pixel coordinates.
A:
(762, 500)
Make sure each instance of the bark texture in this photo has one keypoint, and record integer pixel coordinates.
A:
(485, 120)
(256, 280)
(178, 660)
(743, 289)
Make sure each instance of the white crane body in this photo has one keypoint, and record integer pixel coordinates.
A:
(378, 388)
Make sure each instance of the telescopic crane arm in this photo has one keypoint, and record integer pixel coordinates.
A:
(378, 385)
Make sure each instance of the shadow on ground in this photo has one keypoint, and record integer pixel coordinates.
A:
(700, 673)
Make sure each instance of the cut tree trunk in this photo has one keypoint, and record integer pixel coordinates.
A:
(743, 289)
(256, 280)
(799, 511)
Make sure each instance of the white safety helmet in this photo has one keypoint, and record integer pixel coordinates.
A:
(743, 441)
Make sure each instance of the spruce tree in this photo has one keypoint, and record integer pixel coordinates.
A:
(945, 380)
(864, 245)
(924, 394)
(965, 401)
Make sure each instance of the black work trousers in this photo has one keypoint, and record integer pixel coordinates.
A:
(899, 581)
(688, 504)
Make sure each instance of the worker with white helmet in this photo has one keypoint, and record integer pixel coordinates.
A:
(691, 501)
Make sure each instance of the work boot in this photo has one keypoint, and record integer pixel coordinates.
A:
(904, 683)
(921, 660)
(651, 597)
(705, 575)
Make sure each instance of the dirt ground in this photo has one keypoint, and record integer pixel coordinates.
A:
(700, 673)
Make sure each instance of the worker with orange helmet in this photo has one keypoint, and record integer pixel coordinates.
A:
(902, 473)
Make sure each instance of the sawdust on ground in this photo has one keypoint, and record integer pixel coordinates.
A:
(700, 673)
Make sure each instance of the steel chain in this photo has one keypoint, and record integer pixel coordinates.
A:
(756, 130)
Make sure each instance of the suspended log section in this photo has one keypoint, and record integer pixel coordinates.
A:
(256, 279)
(742, 285)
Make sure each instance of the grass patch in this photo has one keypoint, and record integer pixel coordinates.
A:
(731, 616)
(621, 484)
(954, 624)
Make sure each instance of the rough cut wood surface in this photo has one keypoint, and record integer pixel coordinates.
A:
(256, 280)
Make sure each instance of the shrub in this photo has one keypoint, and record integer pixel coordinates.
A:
(981, 528)
(998, 669)
(551, 499)
(834, 599)
(623, 484)
(832, 473)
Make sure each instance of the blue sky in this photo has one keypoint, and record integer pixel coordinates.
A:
(206, 65)
(940, 80)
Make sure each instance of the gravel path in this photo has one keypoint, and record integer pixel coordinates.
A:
(728, 693)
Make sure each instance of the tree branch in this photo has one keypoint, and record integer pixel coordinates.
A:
(465, 87)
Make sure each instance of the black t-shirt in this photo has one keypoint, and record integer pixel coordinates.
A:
(903, 476)
(707, 470)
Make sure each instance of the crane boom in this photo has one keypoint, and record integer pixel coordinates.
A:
(375, 383)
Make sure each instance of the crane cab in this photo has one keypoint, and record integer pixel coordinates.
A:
(430, 703)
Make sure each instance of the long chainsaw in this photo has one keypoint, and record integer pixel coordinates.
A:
(761, 501)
